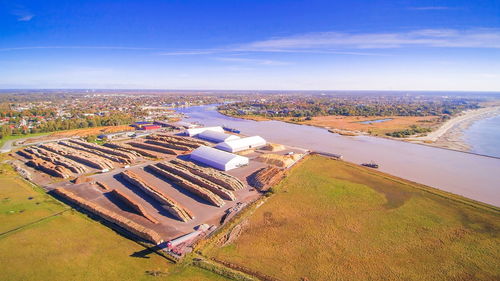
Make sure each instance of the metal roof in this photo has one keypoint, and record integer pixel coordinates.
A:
(216, 136)
(195, 131)
(241, 144)
(216, 157)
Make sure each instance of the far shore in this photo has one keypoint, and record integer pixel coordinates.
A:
(450, 134)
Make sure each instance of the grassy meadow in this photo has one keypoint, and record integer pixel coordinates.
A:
(43, 239)
(330, 220)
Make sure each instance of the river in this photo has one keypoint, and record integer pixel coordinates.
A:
(470, 175)
(483, 136)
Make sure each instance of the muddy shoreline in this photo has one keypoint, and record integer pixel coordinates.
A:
(451, 134)
(448, 135)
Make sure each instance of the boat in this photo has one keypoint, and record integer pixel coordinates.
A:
(232, 130)
(370, 165)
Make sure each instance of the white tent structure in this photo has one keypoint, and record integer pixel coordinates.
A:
(195, 131)
(218, 159)
(241, 144)
(215, 136)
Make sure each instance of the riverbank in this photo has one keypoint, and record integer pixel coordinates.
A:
(465, 174)
(447, 135)
(450, 134)
(377, 126)
(358, 212)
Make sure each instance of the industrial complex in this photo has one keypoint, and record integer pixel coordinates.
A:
(168, 184)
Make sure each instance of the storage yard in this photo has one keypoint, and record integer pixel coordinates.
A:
(167, 188)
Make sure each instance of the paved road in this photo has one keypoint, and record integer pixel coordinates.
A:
(8, 146)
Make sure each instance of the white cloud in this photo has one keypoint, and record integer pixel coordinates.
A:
(342, 43)
(22, 14)
(337, 43)
(437, 38)
(252, 61)
(431, 8)
(187, 53)
(25, 18)
(77, 47)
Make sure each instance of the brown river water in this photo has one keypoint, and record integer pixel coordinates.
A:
(470, 175)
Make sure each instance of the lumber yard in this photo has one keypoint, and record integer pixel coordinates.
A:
(164, 186)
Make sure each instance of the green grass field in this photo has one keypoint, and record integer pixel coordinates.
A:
(15, 137)
(34, 245)
(330, 220)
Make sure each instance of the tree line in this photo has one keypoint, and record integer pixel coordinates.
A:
(61, 124)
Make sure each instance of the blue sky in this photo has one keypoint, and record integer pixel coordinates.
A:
(210, 44)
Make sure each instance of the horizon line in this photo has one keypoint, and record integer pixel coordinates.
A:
(238, 90)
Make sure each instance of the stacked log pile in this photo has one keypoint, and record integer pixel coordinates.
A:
(264, 178)
(49, 168)
(123, 154)
(79, 156)
(132, 204)
(187, 175)
(169, 145)
(193, 143)
(155, 148)
(26, 154)
(57, 159)
(110, 216)
(113, 158)
(189, 186)
(103, 185)
(213, 175)
(168, 203)
(126, 147)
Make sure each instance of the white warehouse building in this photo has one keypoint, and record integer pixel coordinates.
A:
(195, 131)
(215, 136)
(241, 144)
(218, 159)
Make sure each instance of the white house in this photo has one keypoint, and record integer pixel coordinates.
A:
(217, 158)
(241, 144)
(195, 131)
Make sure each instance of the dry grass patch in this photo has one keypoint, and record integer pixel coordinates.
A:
(331, 220)
(351, 123)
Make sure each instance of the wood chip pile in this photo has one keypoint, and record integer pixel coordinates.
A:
(279, 160)
(273, 147)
